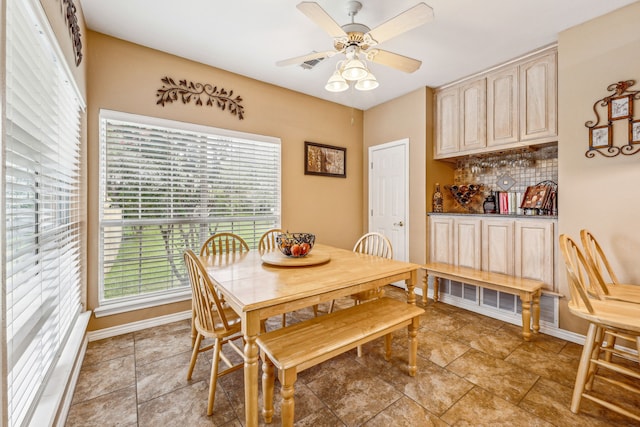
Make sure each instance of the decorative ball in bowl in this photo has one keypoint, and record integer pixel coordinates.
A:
(295, 245)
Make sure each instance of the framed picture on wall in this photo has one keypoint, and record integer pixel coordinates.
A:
(634, 132)
(325, 160)
(620, 107)
(600, 136)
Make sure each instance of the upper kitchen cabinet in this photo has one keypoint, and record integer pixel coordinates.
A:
(539, 99)
(461, 122)
(510, 106)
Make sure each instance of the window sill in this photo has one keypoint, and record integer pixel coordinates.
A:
(109, 309)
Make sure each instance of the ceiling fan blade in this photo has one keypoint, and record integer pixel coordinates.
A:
(321, 18)
(409, 19)
(394, 60)
(304, 58)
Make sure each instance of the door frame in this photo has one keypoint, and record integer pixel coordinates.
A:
(400, 142)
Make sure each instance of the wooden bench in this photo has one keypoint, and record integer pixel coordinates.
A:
(527, 289)
(302, 345)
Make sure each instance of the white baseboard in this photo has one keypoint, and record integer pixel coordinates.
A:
(137, 326)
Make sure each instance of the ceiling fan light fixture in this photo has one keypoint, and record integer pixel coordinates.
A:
(354, 69)
(336, 83)
(369, 82)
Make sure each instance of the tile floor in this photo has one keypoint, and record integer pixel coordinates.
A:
(472, 370)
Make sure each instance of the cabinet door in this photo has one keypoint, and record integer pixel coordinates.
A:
(502, 107)
(473, 115)
(534, 251)
(441, 239)
(467, 242)
(497, 246)
(447, 122)
(538, 98)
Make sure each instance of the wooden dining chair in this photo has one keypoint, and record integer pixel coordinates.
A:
(607, 283)
(221, 243)
(268, 243)
(372, 243)
(268, 240)
(608, 320)
(216, 244)
(213, 319)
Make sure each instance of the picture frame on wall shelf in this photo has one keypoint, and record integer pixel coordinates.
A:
(634, 131)
(600, 137)
(325, 160)
(620, 107)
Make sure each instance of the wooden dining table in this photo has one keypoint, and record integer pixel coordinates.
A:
(256, 290)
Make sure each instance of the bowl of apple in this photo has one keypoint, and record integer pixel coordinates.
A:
(295, 245)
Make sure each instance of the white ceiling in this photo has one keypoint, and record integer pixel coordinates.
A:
(247, 37)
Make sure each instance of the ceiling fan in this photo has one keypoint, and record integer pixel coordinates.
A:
(355, 40)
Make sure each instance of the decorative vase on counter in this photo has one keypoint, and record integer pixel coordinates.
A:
(437, 199)
(489, 205)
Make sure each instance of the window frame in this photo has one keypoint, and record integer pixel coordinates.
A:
(162, 297)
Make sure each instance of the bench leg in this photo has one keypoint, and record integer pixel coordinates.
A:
(287, 379)
(425, 288)
(525, 297)
(267, 388)
(413, 346)
(536, 312)
(387, 347)
(436, 288)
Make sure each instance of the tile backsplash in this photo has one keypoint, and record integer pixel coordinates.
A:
(525, 168)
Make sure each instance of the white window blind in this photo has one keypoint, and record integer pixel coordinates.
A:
(42, 210)
(167, 186)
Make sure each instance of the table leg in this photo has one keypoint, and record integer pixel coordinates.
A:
(251, 328)
(411, 287)
(525, 297)
(536, 312)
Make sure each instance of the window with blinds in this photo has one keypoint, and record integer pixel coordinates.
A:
(41, 180)
(167, 186)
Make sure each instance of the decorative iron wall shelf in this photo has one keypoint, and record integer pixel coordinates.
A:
(619, 106)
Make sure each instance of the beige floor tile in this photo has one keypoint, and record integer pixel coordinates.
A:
(117, 408)
(405, 413)
(481, 408)
(439, 348)
(101, 378)
(166, 375)
(501, 378)
(109, 348)
(356, 397)
(516, 383)
(551, 401)
(548, 364)
(157, 345)
(186, 406)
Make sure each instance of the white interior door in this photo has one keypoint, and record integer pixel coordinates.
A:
(389, 194)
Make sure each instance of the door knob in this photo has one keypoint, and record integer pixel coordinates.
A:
(399, 224)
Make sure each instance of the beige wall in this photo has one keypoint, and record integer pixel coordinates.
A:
(600, 194)
(408, 116)
(125, 77)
